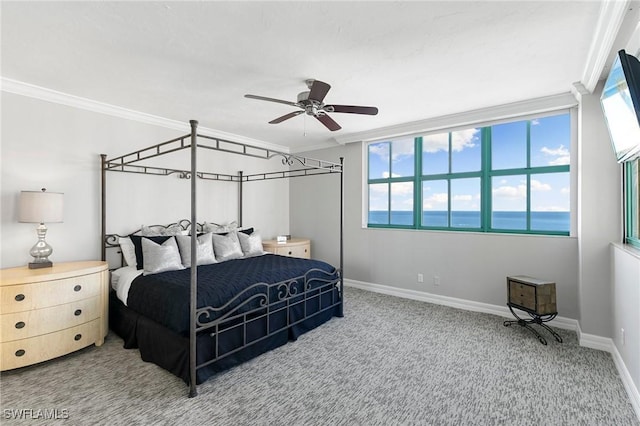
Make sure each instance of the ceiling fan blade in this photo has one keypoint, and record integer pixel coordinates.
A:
(352, 109)
(285, 117)
(319, 90)
(262, 98)
(328, 122)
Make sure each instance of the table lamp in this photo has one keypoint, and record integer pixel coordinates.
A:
(40, 207)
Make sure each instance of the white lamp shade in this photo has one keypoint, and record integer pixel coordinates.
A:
(40, 207)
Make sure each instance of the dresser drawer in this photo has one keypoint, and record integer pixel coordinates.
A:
(24, 297)
(294, 251)
(22, 325)
(20, 353)
(522, 295)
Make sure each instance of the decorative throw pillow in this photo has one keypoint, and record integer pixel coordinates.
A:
(137, 243)
(251, 243)
(161, 231)
(226, 247)
(205, 249)
(219, 229)
(161, 257)
(128, 251)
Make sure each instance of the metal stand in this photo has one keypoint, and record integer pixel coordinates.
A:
(535, 319)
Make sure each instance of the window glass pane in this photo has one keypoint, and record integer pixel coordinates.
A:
(379, 204)
(509, 202)
(402, 203)
(465, 203)
(509, 145)
(550, 201)
(550, 140)
(465, 151)
(378, 160)
(435, 154)
(633, 198)
(402, 164)
(435, 203)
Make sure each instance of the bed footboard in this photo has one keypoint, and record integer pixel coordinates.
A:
(264, 310)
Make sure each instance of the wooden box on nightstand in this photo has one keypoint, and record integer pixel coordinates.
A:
(49, 312)
(295, 247)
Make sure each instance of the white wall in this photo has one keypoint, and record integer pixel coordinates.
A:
(626, 299)
(471, 266)
(599, 215)
(57, 147)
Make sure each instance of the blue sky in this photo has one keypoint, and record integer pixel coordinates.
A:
(550, 145)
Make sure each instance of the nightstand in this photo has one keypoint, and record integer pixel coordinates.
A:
(535, 297)
(295, 247)
(49, 312)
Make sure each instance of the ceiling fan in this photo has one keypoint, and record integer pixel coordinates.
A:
(310, 103)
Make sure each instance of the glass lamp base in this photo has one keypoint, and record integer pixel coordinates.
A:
(38, 265)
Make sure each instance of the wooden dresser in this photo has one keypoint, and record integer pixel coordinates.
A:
(295, 247)
(49, 312)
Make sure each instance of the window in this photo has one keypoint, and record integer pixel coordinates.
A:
(508, 177)
(632, 202)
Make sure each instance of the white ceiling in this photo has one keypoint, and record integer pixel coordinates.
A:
(196, 60)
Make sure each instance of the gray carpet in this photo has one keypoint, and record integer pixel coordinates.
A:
(388, 361)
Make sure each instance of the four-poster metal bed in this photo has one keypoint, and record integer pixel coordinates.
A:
(302, 301)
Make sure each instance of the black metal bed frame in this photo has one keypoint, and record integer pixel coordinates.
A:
(271, 299)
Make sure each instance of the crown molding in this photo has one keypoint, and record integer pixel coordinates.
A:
(610, 18)
(495, 113)
(25, 89)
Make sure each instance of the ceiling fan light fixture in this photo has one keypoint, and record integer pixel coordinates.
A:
(311, 103)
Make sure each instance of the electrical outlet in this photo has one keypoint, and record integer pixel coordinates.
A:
(420, 278)
(622, 335)
(436, 280)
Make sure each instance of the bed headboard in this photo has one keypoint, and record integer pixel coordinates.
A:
(113, 254)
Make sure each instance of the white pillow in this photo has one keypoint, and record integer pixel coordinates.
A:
(161, 231)
(226, 247)
(128, 250)
(220, 229)
(205, 249)
(160, 257)
(251, 244)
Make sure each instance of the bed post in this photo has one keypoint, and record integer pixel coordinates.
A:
(193, 391)
(341, 309)
(240, 199)
(103, 206)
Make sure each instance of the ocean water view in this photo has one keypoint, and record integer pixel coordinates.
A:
(540, 221)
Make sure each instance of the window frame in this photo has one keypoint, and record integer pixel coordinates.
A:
(631, 202)
(485, 175)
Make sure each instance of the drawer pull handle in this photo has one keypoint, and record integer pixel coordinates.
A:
(20, 324)
(19, 297)
(290, 253)
(77, 312)
(77, 337)
(20, 352)
(77, 288)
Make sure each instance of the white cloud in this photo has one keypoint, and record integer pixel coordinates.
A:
(435, 143)
(462, 197)
(536, 185)
(560, 154)
(510, 192)
(535, 122)
(459, 140)
(434, 200)
(565, 190)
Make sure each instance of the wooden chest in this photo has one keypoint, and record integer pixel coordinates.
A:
(532, 295)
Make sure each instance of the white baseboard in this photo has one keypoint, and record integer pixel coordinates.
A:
(587, 340)
(468, 305)
(627, 381)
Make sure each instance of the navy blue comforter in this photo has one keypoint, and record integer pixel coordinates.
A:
(164, 297)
